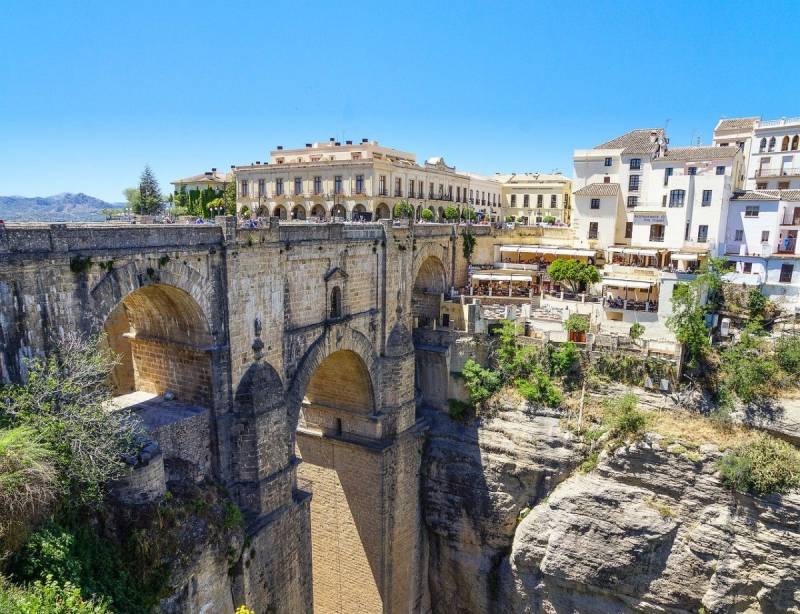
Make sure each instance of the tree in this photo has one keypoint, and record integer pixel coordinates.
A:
(710, 278)
(427, 215)
(576, 323)
(573, 273)
(451, 213)
(636, 331)
(548, 219)
(132, 198)
(756, 303)
(468, 245)
(403, 209)
(229, 197)
(150, 200)
(688, 321)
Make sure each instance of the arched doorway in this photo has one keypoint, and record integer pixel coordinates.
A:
(162, 337)
(318, 211)
(382, 212)
(299, 212)
(262, 211)
(429, 286)
(338, 411)
(441, 214)
(360, 212)
(279, 211)
(339, 211)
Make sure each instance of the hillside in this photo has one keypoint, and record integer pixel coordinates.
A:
(65, 207)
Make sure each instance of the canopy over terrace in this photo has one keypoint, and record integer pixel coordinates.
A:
(632, 294)
(635, 256)
(501, 283)
(541, 254)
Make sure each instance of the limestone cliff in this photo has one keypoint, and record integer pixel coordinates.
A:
(650, 529)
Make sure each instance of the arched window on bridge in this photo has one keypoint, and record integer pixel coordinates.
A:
(336, 302)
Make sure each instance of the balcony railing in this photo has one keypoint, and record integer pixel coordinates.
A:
(619, 304)
(775, 123)
(791, 219)
(787, 246)
(778, 172)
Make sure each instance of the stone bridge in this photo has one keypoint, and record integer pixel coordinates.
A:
(296, 342)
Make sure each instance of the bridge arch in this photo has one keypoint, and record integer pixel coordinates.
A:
(430, 283)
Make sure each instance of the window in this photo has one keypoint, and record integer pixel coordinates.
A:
(458, 194)
(441, 191)
(359, 184)
(633, 201)
(262, 187)
(398, 186)
(738, 235)
(430, 190)
(772, 144)
(592, 230)
(762, 146)
(783, 185)
(751, 211)
(747, 267)
(761, 186)
(677, 198)
(279, 187)
(526, 201)
(720, 170)
(450, 192)
(785, 143)
(636, 164)
(553, 201)
(606, 179)
(692, 170)
(795, 142)
(633, 183)
(382, 185)
(786, 273)
(513, 199)
(765, 236)
(243, 187)
(336, 302)
(318, 185)
(607, 162)
(595, 204)
(420, 188)
(667, 175)
(702, 233)
(298, 185)
(411, 188)
(539, 201)
(706, 198)
(337, 184)
(628, 230)
(657, 232)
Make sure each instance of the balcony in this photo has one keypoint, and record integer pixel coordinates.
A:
(787, 246)
(792, 218)
(619, 304)
(793, 171)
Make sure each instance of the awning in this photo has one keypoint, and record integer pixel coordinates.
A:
(686, 257)
(545, 249)
(627, 283)
(633, 251)
(500, 277)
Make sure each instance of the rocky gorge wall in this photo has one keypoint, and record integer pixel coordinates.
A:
(651, 529)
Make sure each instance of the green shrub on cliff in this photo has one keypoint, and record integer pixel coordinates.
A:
(481, 383)
(539, 389)
(47, 597)
(622, 418)
(766, 465)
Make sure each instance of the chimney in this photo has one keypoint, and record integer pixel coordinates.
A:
(208, 173)
(213, 170)
(331, 139)
(337, 143)
(348, 142)
(280, 147)
(308, 144)
(653, 136)
(233, 166)
(365, 140)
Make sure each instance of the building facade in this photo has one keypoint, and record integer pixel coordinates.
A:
(536, 198)
(210, 179)
(350, 181)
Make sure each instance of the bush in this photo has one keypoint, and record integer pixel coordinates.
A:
(756, 303)
(564, 359)
(481, 383)
(576, 323)
(457, 410)
(403, 209)
(451, 213)
(48, 597)
(636, 331)
(573, 273)
(427, 215)
(28, 485)
(539, 389)
(622, 418)
(787, 354)
(766, 465)
(548, 219)
(748, 369)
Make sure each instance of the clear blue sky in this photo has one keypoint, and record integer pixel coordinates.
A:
(91, 91)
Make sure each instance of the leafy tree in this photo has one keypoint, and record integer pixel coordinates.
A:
(214, 205)
(688, 322)
(451, 213)
(468, 214)
(132, 198)
(65, 402)
(510, 218)
(548, 219)
(181, 200)
(150, 200)
(468, 245)
(756, 303)
(539, 389)
(787, 353)
(636, 331)
(576, 323)
(481, 383)
(564, 359)
(710, 278)
(403, 209)
(427, 215)
(573, 273)
(229, 197)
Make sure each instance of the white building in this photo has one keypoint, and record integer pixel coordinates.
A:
(771, 149)
(210, 179)
(350, 181)
(654, 212)
(532, 198)
(762, 241)
(484, 196)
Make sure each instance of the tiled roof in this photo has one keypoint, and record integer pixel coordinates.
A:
(528, 177)
(599, 189)
(793, 195)
(634, 142)
(737, 123)
(215, 177)
(758, 195)
(689, 154)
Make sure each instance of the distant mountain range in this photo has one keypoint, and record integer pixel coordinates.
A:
(66, 207)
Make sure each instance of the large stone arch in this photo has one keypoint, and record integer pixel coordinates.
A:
(338, 337)
(109, 292)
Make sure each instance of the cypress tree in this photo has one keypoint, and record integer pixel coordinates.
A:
(150, 199)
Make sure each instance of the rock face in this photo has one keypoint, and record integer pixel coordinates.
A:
(651, 529)
(475, 483)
